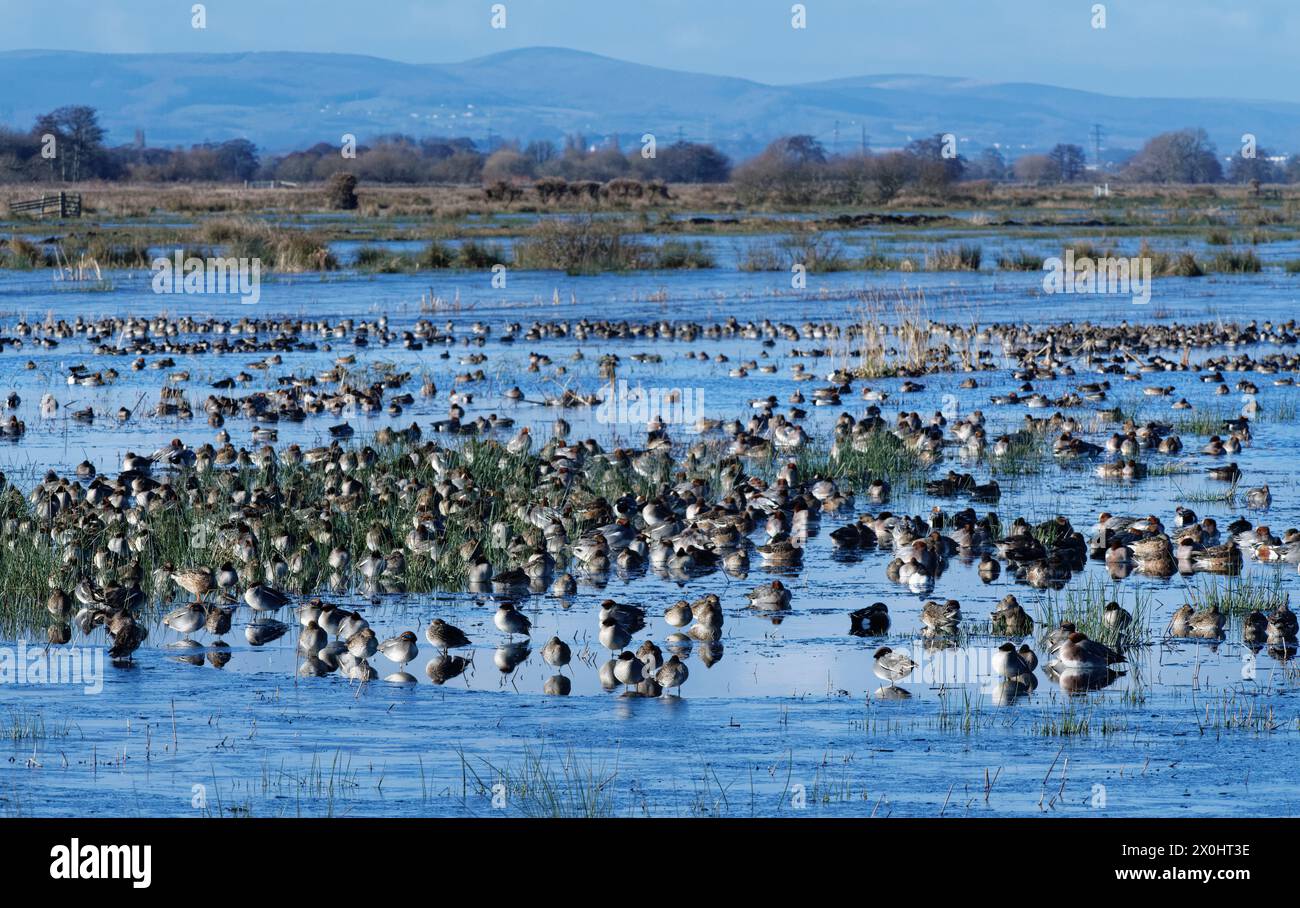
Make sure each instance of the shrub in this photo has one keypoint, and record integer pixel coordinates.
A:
(1236, 261)
(965, 257)
(1021, 261)
(436, 256)
(551, 188)
(473, 254)
(582, 246)
(682, 254)
(341, 191)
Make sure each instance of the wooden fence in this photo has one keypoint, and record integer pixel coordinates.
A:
(63, 204)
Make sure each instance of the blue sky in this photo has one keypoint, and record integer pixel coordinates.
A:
(1177, 48)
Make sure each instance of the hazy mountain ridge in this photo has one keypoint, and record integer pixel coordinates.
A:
(289, 100)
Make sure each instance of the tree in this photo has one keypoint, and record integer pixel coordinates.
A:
(934, 168)
(237, 159)
(1244, 170)
(541, 151)
(79, 140)
(1034, 168)
(683, 162)
(1292, 172)
(890, 172)
(1068, 161)
(799, 149)
(988, 165)
(788, 171)
(507, 165)
(1183, 156)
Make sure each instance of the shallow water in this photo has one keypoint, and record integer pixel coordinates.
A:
(785, 716)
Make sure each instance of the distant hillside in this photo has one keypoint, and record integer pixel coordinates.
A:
(288, 100)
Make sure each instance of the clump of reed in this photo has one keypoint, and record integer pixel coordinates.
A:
(24, 724)
(1077, 720)
(963, 257)
(1239, 595)
(1235, 261)
(682, 255)
(915, 351)
(1084, 604)
(1021, 260)
(815, 252)
(1165, 264)
(278, 248)
(20, 254)
(538, 785)
(578, 246)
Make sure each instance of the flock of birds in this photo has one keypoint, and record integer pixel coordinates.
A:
(692, 508)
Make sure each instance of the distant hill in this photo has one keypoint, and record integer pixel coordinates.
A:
(283, 101)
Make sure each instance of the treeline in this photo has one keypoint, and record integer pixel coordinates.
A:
(68, 145)
(797, 169)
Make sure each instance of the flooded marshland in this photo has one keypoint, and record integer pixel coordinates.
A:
(369, 454)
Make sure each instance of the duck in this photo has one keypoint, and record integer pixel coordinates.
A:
(1010, 618)
(445, 636)
(312, 638)
(556, 652)
(510, 621)
(1254, 627)
(217, 619)
(940, 618)
(651, 657)
(1080, 652)
(1008, 663)
(891, 666)
(401, 648)
(187, 619)
(869, 621)
(780, 551)
(262, 598)
(1282, 626)
(678, 614)
(1259, 498)
(363, 644)
(1208, 622)
(198, 582)
(613, 636)
(673, 674)
(628, 669)
(1116, 618)
(771, 597)
(1229, 473)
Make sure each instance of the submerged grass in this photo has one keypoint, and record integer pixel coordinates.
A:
(538, 785)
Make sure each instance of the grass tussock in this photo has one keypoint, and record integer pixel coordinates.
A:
(1239, 595)
(1085, 605)
(279, 248)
